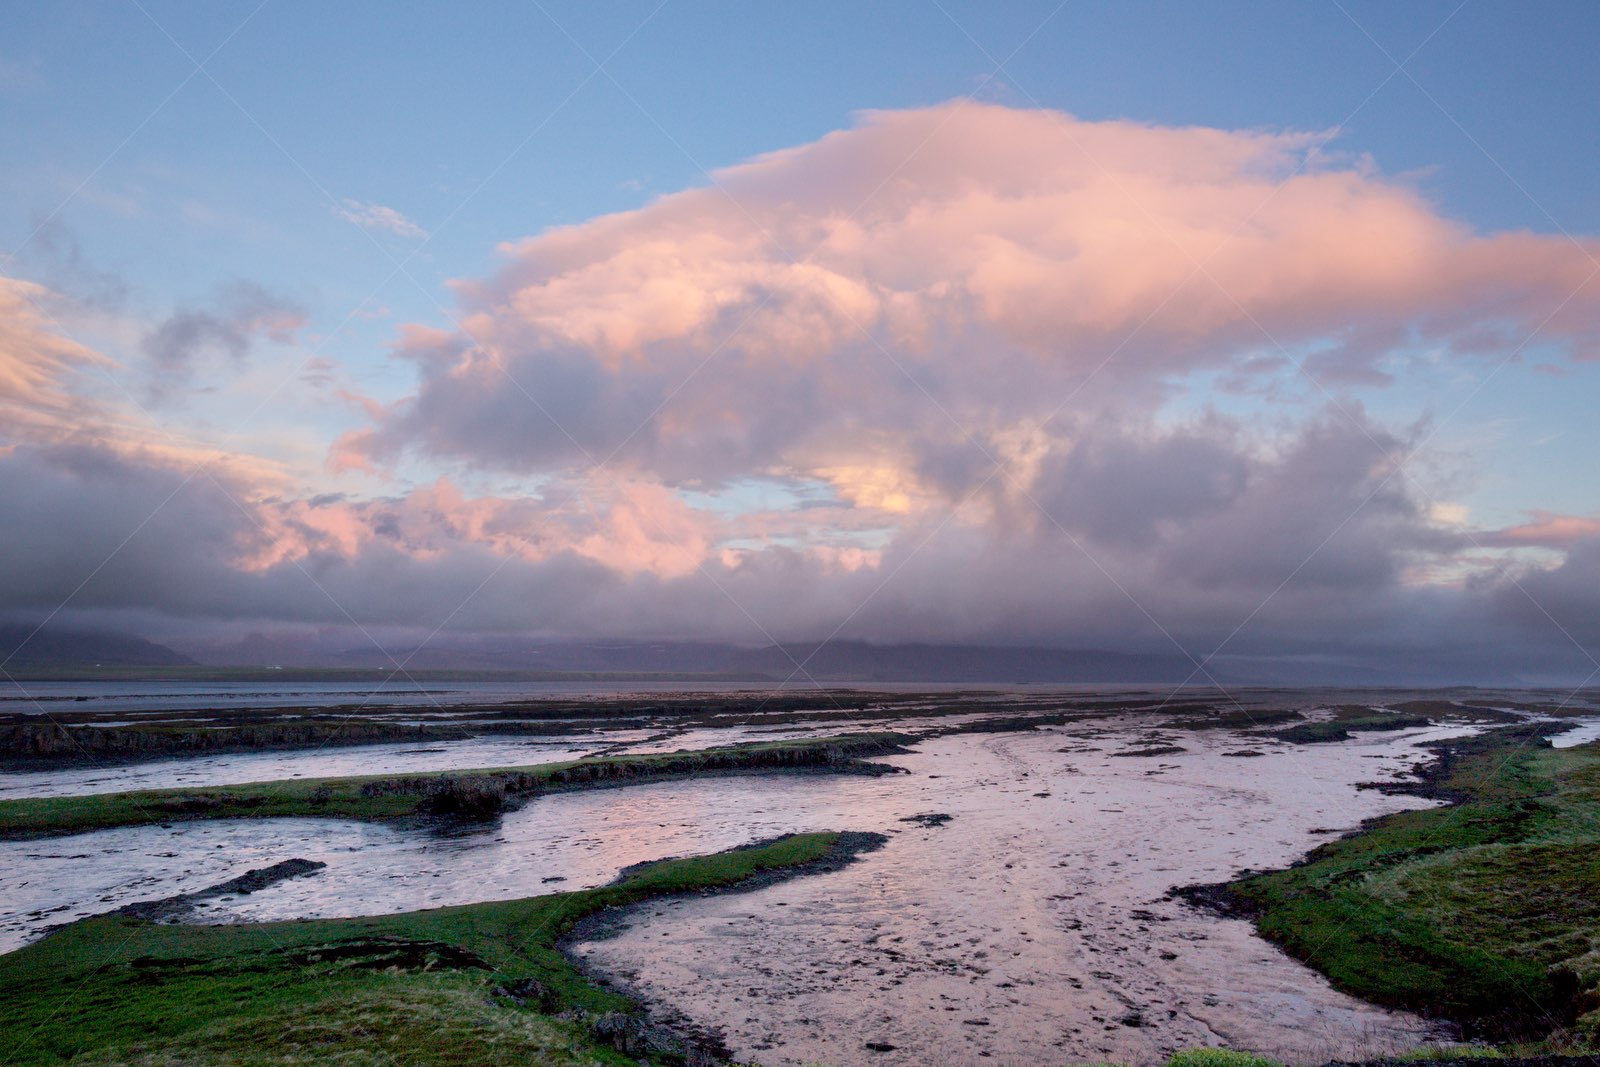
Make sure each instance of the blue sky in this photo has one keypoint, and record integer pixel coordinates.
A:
(419, 108)
(331, 170)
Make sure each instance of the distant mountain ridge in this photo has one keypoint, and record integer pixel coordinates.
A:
(21, 647)
(832, 661)
(451, 653)
(861, 661)
(795, 663)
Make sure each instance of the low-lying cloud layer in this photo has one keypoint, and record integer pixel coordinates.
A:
(913, 381)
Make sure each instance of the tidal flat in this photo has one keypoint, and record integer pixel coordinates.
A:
(1020, 910)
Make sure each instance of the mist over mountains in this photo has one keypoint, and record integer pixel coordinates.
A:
(30, 647)
(36, 653)
(832, 661)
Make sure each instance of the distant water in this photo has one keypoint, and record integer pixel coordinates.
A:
(40, 697)
(1586, 731)
(48, 697)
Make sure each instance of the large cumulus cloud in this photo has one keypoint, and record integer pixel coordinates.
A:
(963, 267)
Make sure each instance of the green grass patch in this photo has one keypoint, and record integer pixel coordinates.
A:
(1349, 719)
(469, 794)
(426, 985)
(1218, 1057)
(1242, 719)
(1429, 1053)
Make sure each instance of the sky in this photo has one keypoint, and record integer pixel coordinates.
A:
(1221, 330)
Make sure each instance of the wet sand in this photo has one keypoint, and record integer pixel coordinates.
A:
(1035, 929)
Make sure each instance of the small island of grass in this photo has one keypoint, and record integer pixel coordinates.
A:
(469, 794)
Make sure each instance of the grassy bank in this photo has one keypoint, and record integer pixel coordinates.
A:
(72, 737)
(455, 794)
(1354, 718)
(1485, 911)
(478, 984)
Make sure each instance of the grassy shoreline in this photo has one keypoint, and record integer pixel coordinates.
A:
(472, 984)
(468, 794)
(68, 736)
(1485, 911)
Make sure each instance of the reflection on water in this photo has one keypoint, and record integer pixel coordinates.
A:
(238, 767)
(1585, 732)
(565, 841)
(49, 882)
(28, 697)
(1032, 928)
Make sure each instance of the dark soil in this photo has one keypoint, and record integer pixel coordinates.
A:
(169, 909)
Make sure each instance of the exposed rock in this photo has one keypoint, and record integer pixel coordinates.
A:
(382, 953)
(170, 909)
(929, 820)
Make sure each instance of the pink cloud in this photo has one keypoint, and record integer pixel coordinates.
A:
(985, 258)
(630, 529)
(1547, 530)
(56, 391)
(39, 368)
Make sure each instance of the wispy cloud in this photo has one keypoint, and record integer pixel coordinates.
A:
(191, 336)
(378, 217)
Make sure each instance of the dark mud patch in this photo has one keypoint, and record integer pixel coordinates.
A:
(171, 909)
(1153, 750)
(201, 804)
(933, 819)
(1216, 898)
(382, 953)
